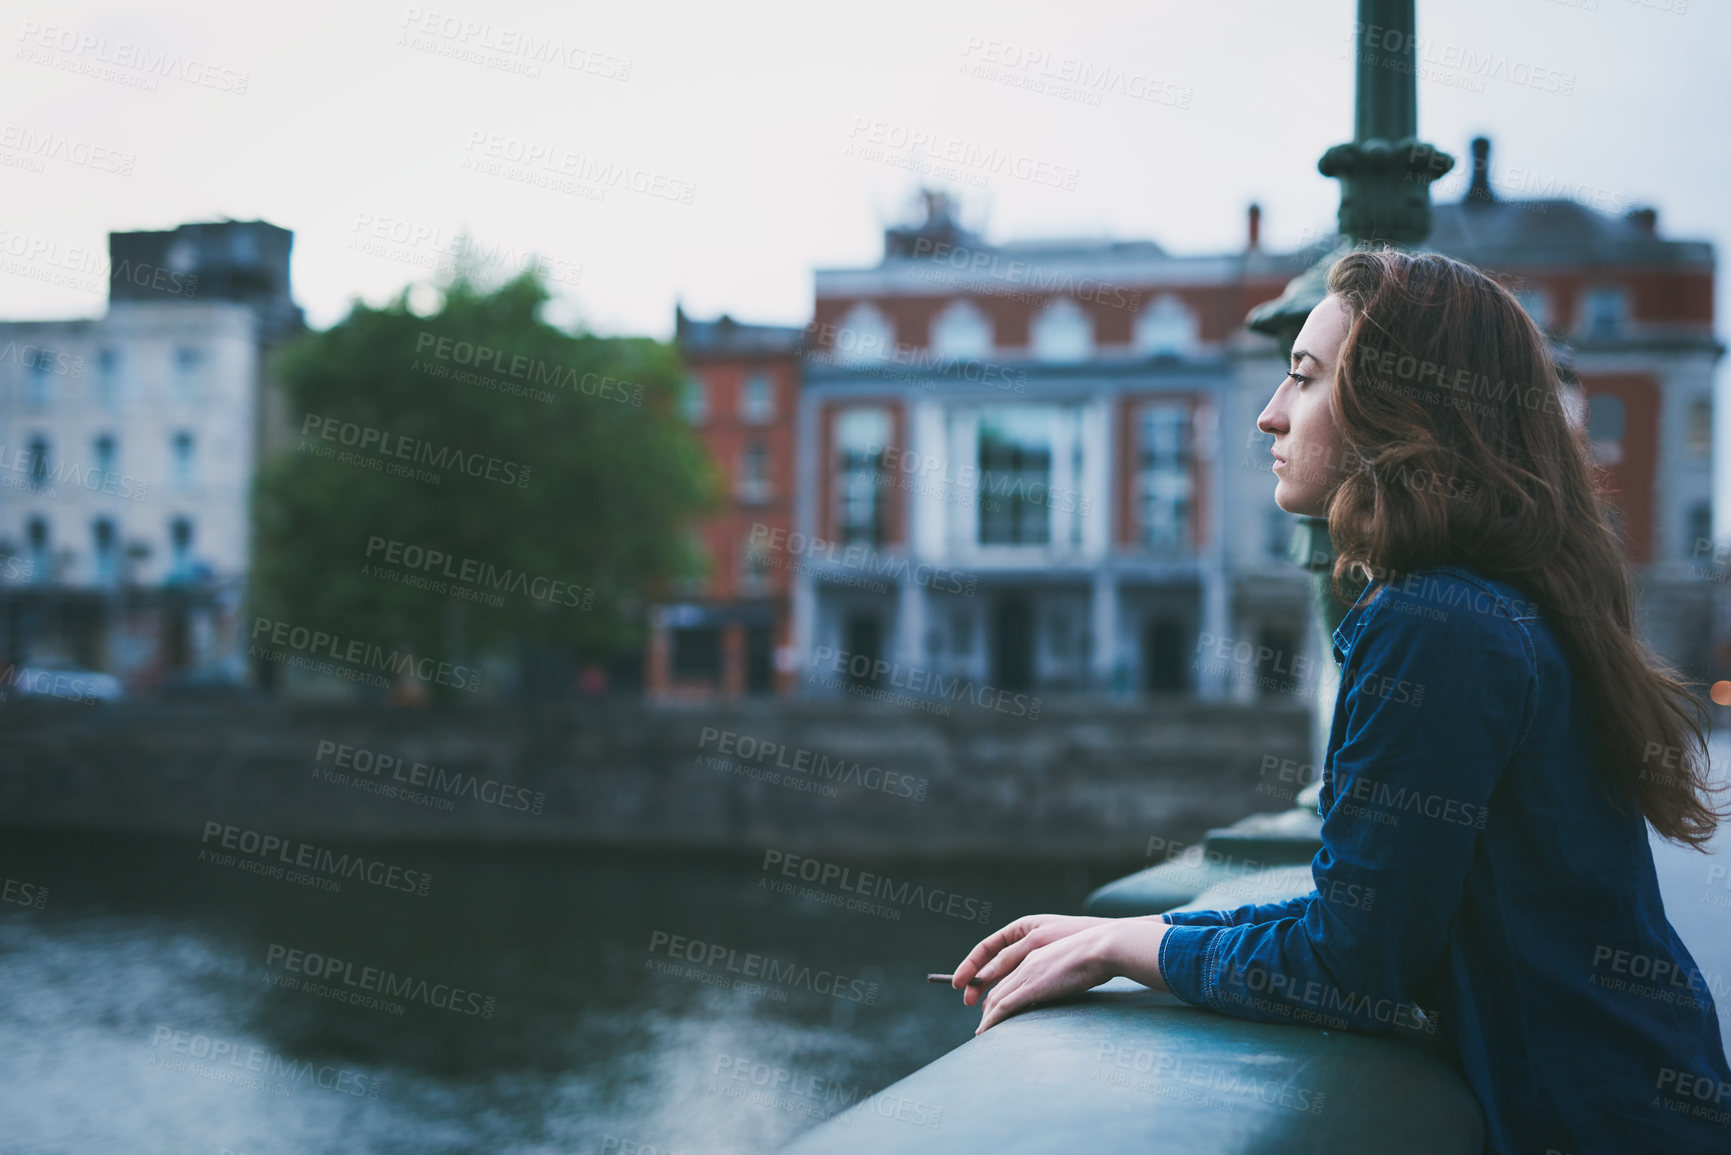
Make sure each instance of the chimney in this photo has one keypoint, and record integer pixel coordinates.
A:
(1645, 218)
(1480, 190)
(1255, 227)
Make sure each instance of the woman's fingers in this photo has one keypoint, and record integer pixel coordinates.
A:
(1008, 959)
(1008, 997)
(989, 947)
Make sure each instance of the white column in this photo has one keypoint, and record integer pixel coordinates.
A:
(925, 487)
(1211, 683)
(1103, 625)
(910, 648)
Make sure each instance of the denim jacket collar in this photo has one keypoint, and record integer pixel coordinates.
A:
(1346, 633)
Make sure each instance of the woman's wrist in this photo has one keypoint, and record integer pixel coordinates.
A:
(1132, 947)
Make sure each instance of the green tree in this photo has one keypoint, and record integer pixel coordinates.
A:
(567, 503)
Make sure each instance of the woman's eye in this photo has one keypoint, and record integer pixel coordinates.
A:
(1297, 378)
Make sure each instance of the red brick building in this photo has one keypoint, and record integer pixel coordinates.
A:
(722, 637)
(1034, 466)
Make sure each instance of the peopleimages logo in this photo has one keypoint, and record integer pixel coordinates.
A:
(827, 874)
(858, 557)
(366, 438)
(360, 653)
(813, 764)
(260, 848)
(764, 967)
(166, 1042)
(871, 671)
(373, 980)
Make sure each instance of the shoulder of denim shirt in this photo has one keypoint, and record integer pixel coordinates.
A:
(1455, 594)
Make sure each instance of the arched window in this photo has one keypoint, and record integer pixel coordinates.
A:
(36, 534)
(1537, 303)
(963, 331)
(39, 462)
(103, 537)
(1062, 332)
(1605, 417)
(860, 438)
(106, 451)
(180, 544)
(1700, 435)
(183, 462)
(1165, 326)
(864, 335)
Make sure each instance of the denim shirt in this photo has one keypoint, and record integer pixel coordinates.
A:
(1474, 885)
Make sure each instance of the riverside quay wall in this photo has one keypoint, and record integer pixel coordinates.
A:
(1083, 781)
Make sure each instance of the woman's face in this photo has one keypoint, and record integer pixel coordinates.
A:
(1310, 455)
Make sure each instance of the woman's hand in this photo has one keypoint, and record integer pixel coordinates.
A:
(1042, 957)
(998, 954)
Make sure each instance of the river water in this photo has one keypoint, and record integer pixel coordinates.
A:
(158, 1002)
(157, 997)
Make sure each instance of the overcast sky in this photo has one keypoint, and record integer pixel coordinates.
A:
(701, 151)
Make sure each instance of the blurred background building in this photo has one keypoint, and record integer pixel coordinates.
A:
(128, 445)
(1034, 466)
(1028, 465)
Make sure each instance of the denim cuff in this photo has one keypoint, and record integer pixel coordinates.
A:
(1186, 953)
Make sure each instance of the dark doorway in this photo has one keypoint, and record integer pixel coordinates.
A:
(1163, 666)
(1013, 645)
(759, 660)
(697, 654)
(863, 641)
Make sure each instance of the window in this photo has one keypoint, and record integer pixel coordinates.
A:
(1062, 332)
(1015, 476)
(757, 402)
(696, 401)
(180, 545)
(36, 535)
(1605, 428)
(962, 332)
(106, 454)
(36, 385)
(696, 654)
(754, 474)
(864, 335)
(1163, 485)
(103, 537)
(38, 453)
(108, 377)
(1700, 433)
(182, 256)
(1537, 303)
(183, 464)
(753, 569)
(1698, 529)
(1605, 312)
(860, 438)
(1166, 328)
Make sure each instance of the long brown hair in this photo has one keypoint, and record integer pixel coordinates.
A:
(1443, 375)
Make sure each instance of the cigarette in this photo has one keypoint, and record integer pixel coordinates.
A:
(950, 979)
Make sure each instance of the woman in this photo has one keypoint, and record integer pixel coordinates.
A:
(1500, 743)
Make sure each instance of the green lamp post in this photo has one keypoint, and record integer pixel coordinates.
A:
(1385, 174)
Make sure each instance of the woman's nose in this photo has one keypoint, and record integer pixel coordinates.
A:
(1270, 421)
